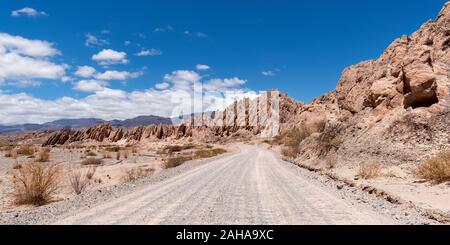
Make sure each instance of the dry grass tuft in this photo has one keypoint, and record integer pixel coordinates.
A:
(26, 150)
(92, 161)
(11, 153)
(331, 161)
(78, 181)
(370, 170)
(91, 172)
(206, 153)
(35, 183)
(435, 169)
(44, 155)
(289, 152)
(176, 161)
(137, 173)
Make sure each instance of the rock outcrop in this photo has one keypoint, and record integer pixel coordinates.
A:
(394, 109)
(260, 116)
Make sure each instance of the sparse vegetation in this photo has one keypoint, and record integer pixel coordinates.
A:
(206, 153)
(113, 148)
(91, 172)
(369, 170)
(35, 183)
(292, 139)
(436, 168)
(173, 162)
(288, 152)
(17, 165)
(331, 161)
(11, 153)
(92, 161)
(329, 138)
(106, 155)
(44, 155)
(137, 173)
(78, 181)
(26, 150)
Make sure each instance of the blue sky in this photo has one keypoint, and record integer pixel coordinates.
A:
(299, 47)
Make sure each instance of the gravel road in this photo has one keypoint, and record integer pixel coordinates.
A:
(252, 186)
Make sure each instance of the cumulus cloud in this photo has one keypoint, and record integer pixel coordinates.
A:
(149, 52)
(176, 95)
(27, 11)
(164, 29)
(195, 34)
(24, 59)
(85, 71)
(117, 75)
(90, 86)
(268, 73)
(92, 40)
(163, 85)
(110, 57)
(201, 67)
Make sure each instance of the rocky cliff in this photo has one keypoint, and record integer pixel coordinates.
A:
(394, 109)
(257, 117)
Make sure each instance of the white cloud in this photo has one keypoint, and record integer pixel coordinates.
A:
(164, 29)
(171, 99)
(24, 59)
(28, 47)
(65, 79)
(201, 67)
(92, 40)
(27, 11)
(89, 86)
(195, 34)
(127, 43)
(117, 75)
(149, 52)
(268, 73)
(223, 84)
(104, 32)
(162, 86)
(110, 57)
(85, 71)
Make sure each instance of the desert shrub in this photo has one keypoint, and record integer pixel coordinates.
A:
(118, 155)
(436, 168)
(92, 161)
(113, 148)
(78, 181)
(26, 150)
(90, 173)
(329, 138)
(331, 161)
(35, 183)
(369, 170)
(173, 162)
(205, 153)
(44, 155)
(137, 173)
(295, 136)
(11, 153)
(17, 165)
(90, 153)
(106, 155)
(134, 150)
(288, 152)
(175, 148)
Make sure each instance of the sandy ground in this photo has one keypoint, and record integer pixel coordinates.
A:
(110, 172)
(250, 187)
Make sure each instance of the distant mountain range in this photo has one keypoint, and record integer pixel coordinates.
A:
(84, 123)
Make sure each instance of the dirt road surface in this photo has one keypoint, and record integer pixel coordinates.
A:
(252, 186)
